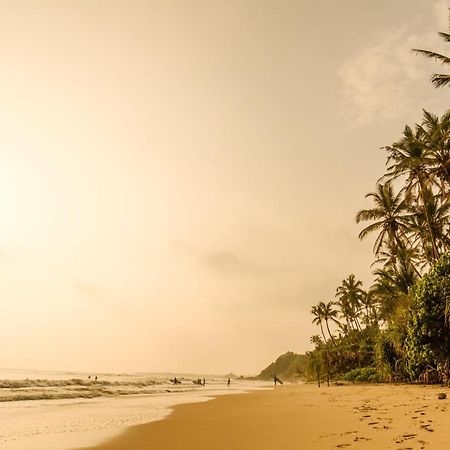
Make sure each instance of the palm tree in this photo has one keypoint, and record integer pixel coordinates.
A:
(410, 158)
(435, 135)
(316, 311)
(439, 80)
(389, 216)
(369, 303)
(329, 314)
(350, 293)
(437, 212)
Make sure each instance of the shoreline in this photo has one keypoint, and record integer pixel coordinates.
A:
(292, 417)
(64, 424)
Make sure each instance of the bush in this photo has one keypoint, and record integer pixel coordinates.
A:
(368, 374)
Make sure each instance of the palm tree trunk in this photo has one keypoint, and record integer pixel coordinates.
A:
(323, 334)
(427, 217)
(331, 336)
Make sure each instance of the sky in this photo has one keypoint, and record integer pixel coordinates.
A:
(179, 180)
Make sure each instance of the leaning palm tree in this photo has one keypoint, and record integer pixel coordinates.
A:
(330, 314)
(438, 79)
(316, 311)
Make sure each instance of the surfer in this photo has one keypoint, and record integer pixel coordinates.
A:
(276, 380)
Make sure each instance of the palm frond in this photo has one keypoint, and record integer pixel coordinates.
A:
(440, 80)
(445, 36)
(437, 56)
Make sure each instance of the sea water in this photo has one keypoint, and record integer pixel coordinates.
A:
(52, 410)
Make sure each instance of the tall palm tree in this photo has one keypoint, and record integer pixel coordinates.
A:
(369, 303)
(389, 217)
(435, 136)
(316, 311)
(410, 158)
(329, 314)
(436, 212)
(439, 80)
(350, 294)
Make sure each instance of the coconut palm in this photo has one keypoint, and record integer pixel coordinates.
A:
(369, 304)
(437, 214)
(329, 314)
(410, 158)
(350, 293)
(316, 311)
(389, 217)
(435, 136)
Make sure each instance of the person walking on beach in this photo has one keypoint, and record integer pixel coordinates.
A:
(228, 382)
(204, 382)
(276, 379)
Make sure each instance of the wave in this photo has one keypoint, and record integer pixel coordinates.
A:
(27, 383)
(45, 389)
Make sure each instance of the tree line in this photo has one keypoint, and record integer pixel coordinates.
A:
(399, 328)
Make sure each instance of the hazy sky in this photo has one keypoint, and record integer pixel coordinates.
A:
(179, 179)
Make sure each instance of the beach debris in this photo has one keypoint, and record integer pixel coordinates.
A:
(442, 396)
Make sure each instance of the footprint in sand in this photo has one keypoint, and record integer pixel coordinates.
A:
(404, 437)
(409, 436)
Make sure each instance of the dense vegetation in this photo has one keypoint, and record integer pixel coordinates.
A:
(399, 328)
(289, 366)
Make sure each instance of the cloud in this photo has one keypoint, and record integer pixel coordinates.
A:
(385, 80)
(230, 263)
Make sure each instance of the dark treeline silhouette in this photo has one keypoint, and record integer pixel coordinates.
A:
(398, 328)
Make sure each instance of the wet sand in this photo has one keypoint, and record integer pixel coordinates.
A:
(302, 417)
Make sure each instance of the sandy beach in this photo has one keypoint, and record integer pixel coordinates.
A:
(301, 417)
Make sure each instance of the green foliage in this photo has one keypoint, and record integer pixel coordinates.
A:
(389, 356)
(427, 344)
(287, 366)
(368, 374)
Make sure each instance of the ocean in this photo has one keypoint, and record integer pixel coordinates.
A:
(56, 410)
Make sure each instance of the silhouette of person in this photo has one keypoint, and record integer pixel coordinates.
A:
(204, 381)
(95, 376)
(228, 382)
(275, 379)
